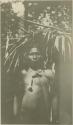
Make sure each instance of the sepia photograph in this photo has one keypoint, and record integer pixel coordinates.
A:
(36, 62)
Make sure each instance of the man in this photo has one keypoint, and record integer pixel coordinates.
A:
(32, 100)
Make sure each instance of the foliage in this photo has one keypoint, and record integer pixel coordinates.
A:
(51, 19)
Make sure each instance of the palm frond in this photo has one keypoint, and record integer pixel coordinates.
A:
(16, 63)
(14, 48)
(11, 61)
(49, 27)
(65, 45)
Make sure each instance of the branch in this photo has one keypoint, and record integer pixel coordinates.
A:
(52, 27)
(24, 30)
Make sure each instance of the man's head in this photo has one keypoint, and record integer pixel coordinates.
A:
(35, 50)
(34, 55)
(34, 58)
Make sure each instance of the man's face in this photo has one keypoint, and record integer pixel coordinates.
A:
(34, 55)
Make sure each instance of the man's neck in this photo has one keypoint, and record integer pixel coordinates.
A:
(34, 68)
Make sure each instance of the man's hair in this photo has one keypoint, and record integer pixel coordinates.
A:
(36, 40)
